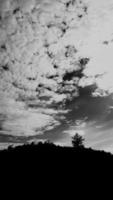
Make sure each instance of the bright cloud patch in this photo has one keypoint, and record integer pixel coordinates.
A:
(21, 121)
(99, 48)
(100, 68)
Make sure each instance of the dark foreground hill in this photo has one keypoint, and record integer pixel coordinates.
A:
(46, 159)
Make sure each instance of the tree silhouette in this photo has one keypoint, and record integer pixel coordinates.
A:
(48, 143)
(77, 141)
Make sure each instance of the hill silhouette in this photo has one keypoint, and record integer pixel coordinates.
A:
(48, 148)
(49, 158)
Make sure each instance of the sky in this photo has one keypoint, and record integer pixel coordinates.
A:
(56, 73)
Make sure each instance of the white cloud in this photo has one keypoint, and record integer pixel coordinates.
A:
(101, 59)
(99, 70)
(72, 132)
(81, 123)
(110, 107)
(28, 124)
(108, 149)
(6, 145)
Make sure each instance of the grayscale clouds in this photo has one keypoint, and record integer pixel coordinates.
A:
(48, 51)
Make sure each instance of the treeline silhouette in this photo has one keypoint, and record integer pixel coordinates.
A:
(76, 160)
(53, 162)
(77, 151)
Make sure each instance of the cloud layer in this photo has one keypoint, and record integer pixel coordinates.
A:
(48, 49)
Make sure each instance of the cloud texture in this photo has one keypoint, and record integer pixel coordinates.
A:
(48, 49)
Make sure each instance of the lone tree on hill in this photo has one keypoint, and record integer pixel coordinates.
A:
(77, 141)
